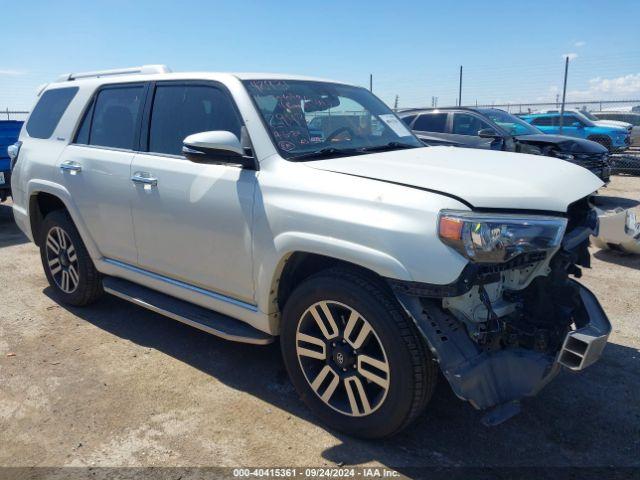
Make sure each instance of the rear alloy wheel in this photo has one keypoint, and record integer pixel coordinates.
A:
(62, 260)
(354, 356)
(67, 264)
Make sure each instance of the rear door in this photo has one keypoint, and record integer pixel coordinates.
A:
(193, 224)
(96, 167)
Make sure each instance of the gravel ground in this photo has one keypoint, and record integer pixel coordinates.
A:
(116, 385)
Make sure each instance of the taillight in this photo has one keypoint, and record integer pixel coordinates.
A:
(13, 151)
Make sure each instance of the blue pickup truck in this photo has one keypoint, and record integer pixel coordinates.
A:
(615, 139)
(9, 132)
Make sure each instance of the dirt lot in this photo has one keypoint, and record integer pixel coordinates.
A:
(116, 385)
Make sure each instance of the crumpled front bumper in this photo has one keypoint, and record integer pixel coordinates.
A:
(583, 346)
(488, 379)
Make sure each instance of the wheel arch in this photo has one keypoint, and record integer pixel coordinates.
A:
(302, 255)
(45, 197)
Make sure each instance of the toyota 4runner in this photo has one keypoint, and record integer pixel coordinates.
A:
(207, 197)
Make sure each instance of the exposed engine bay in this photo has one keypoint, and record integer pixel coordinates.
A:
(503, 330)
(533, 306)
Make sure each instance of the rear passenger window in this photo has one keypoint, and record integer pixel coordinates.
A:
(82, 136)
(47, 113)
(408, 120)
(115, 116)
(181, 110)
(431, 122)
(542, 121)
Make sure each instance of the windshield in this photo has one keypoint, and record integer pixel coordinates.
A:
(306, 118)
(512, 124)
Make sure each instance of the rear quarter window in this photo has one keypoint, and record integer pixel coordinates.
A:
(48, 111)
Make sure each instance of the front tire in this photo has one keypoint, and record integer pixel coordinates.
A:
(354, 357)
(66, 262)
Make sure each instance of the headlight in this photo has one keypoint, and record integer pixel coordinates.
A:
(496, 238)
(564, 156)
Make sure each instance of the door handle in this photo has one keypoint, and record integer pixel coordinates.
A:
(71, 166)
(144, 178)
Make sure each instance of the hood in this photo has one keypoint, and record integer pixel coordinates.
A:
(613, 123)
(482, 178)
(564, 143)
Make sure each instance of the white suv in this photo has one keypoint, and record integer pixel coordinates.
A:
(253, 206)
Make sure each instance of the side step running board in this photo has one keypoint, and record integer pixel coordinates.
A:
(185, 312)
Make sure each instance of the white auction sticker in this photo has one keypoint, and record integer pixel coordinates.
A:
(396, 125)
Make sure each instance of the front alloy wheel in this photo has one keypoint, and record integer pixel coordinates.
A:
(342, 358)
(354, 356)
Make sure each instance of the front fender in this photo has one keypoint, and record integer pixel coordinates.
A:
(287, 243)
(381, 263)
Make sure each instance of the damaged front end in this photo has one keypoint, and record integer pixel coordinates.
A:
(504, 329)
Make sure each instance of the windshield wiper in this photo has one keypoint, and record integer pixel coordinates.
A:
(325, 152)
(388, 146)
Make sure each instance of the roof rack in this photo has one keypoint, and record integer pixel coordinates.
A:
(141, 70)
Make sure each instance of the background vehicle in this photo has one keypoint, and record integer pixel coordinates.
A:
(206, 197)
(615, 139)
(491, 128)
(590, 116)
(9, 131)
(627, 117)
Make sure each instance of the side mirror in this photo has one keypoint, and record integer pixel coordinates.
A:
(577, 125)
(218, 146)
(488, 133)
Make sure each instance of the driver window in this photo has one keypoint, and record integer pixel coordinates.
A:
(569, 120)
(467, 124)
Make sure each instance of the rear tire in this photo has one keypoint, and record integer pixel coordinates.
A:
(66, 262)
(353, 355)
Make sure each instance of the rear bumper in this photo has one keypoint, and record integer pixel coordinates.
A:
(487, 379)
(22, 220)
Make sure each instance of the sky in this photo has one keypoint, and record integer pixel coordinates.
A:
(511, 51)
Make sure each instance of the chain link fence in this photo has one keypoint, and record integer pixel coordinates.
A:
(620, 106)
(8, 114)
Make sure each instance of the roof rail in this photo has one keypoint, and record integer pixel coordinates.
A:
(141, 70)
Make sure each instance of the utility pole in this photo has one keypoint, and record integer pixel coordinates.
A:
(395, 104)
(564, 93)
(460, 89)
(371, 82)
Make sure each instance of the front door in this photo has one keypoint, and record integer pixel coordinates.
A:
(464, 132)
(193, 221)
